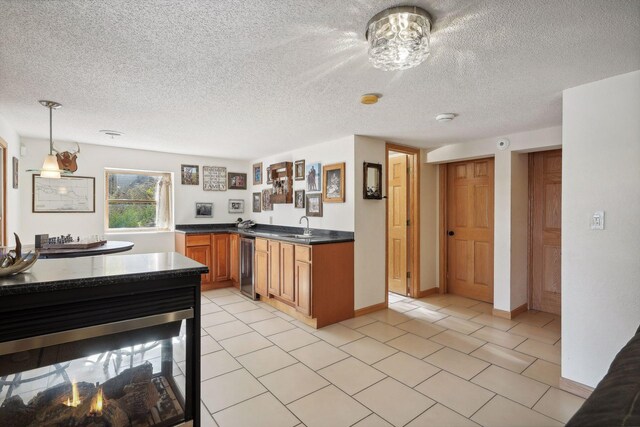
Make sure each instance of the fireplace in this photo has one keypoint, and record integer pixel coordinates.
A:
(127, 373)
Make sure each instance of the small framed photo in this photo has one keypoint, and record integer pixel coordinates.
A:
(299, 199)
(257, 202)
(372, 182)
(16, 172)
(266, 200)
(299, 170)
(236, 206)
(257, 174)
(190, 174)
(333, 183)
(314, 204)
(268, 174)
(204, 210)
(237, 181)
(313, 176)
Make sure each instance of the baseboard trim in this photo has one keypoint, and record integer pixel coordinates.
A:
(427, 292)
(370, 309)
(574, 387)
(510, 314)
(216, 285)
(291, 311)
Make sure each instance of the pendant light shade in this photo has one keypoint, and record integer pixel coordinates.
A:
(50, 168)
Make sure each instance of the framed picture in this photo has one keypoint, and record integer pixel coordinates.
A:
(299, 199)
(257, 174)
(313, 176)
(333, 183)
(16, 172)
(204, 210)
(299, 170)
(190, 174)
(257, 202)
(266, 200)
(268, 173)
(214, 178)
(372, 181)
(237, 181)
(236, 206)
(64, 194)
(314, 204)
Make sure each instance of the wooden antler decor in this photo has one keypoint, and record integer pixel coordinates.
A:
(67, 160)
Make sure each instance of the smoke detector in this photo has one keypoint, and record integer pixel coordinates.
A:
(445, 117)
(111, 133)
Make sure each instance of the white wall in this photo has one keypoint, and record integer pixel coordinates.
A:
(336, 216)
(600, 268)
(93, 160)
(509, 203)
(429, 211)
(12, 216)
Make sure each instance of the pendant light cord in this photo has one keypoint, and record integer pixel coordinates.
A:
(50, 130)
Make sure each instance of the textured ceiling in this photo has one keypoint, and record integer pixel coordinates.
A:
(243, 79)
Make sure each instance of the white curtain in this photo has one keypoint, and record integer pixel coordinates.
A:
(163, 203)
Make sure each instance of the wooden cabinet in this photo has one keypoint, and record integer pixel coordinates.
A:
(234, 255)
(212, 250)
(287, 272)
(221, 257)
(201, 254)
(302, 281)
(261, 267)
(274, 267)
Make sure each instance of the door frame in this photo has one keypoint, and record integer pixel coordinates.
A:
(414, 218)
(5, 151)
(443, 169)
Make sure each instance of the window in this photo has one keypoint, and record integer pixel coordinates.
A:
(138, 200)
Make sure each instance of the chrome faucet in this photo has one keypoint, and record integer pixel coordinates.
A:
(307, 230)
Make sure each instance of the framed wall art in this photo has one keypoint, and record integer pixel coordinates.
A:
(313, 176)
(189, 174)
(298, 170)
(314, 204)
(299, 199)
(204, 210)
(237, 181)
(257, 174)
(214, 178)
(257, 202)
(64, 194)
(268, 175)
(236, 206)
(372, 181)
(333, 183)
(266, 200)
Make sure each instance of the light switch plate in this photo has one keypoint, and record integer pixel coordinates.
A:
(597, 220)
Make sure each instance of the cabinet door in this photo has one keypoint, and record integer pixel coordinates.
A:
(303, 287)
(234, 249)
(287, 267)
(261, 273)
(221, 257)
(201, 254)
(274, 267)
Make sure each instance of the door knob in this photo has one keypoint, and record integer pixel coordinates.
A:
(451, 233)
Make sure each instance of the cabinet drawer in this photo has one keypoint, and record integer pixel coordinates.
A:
(262, 245)
(198, 239)
(303, 253)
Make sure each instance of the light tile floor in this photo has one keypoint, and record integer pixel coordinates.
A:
(442, 360)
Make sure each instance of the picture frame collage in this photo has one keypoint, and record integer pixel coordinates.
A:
(214, 178)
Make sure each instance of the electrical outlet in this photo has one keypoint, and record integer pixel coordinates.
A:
(597, 220)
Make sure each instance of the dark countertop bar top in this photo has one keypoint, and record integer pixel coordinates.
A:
(72, 273)
(276, 232)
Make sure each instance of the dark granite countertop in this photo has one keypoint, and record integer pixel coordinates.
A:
(72, 273)
(276, 232)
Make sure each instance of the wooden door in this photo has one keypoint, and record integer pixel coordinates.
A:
(201, 254)
(221, 257)
(470, 229)
(261, 267)
(234, 257)
(303, 287)
(274, 267)
(397, 225)
(545, 175)
(287, 267)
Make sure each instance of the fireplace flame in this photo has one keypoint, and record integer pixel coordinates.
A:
(75, 396)
(96, 407)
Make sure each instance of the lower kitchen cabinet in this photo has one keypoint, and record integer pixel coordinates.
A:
(303, 287)
(221, 257)
(234, 257)
(212, 250)
(201, 254)
(287, 273)
(274, 267)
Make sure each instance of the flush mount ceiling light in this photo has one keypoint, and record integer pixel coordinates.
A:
(399, 37)
(369, 98)
(445, 117)
(111, 133)
(50, 168)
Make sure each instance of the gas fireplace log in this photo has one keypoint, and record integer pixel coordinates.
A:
(59, 394)
(114, 388)
(139, 398)
(14, 413)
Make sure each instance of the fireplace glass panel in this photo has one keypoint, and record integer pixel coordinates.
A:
(134, 378)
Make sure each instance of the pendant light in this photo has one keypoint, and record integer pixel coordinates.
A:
(50, 168)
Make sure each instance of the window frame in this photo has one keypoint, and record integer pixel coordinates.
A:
(128, 230)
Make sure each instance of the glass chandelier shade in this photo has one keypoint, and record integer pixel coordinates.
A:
(50, 168)
(399, 38)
